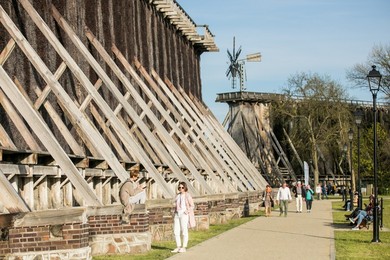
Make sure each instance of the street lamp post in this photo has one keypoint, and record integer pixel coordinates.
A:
(374, 81)
(350, 137)
(345, 149)
(358, 121)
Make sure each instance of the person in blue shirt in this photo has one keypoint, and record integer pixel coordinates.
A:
(309, 198)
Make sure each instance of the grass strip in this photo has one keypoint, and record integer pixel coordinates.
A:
(352, 244)
(162, 250)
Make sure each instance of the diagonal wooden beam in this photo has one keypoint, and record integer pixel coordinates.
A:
(162, 132)
(56, 119)
(46, 91)
(212, 133)
(10, 198)
(206, 151)
(47, 138)
(6, 52)
(226, 142)
(5, 139)
(210, 142)
(91, 133)
(109, 134)
(95, 138)
(130, 111)
(19, 123)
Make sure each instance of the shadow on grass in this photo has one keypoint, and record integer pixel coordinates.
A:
(161, 247)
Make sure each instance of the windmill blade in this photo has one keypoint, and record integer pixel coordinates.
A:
(234, 46)
(238, 53)
(230, 56)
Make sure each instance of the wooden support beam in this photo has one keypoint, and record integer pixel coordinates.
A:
(40, 128)
(203, 156)
(162, 132)
(37, 182)
(6, 52)
(109, 84)
(5, 140)
(90, 132)
(110, 135)
(18, 121)
(43, 94)
(121, 130)
(10, 199)
(77, 150)
(210, 133)
(227, 164)
(226, 143)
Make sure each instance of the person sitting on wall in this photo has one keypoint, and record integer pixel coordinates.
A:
(132, 192)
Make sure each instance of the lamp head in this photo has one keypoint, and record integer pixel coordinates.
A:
(350, 134)
(345, 148)
(374, 78)
(358, 116)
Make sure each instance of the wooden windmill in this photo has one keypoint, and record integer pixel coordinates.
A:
(237, 66)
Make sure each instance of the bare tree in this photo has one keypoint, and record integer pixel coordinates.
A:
(317, 114)
(380, 57)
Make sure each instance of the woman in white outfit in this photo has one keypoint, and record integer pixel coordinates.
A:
(184, 213)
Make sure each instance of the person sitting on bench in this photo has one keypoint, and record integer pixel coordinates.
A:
(362, 214)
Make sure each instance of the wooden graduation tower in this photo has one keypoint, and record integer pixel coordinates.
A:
(90, 90)
(248, 122)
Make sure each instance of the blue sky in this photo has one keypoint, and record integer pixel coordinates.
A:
(318, 36)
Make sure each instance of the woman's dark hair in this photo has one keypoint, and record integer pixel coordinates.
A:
(184, 185)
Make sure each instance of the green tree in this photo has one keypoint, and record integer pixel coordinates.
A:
(317, 116)
(366, 156)
(380, 57)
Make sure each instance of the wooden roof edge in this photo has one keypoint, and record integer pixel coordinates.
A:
(179, 18)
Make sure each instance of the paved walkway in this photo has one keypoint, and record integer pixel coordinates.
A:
(297, 236)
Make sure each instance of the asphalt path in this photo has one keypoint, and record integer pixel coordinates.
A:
(297, 236)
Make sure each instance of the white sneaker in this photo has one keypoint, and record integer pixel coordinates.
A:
(176, 250)
(355, 228)
(182, 250)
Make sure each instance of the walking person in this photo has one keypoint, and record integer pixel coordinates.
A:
(184, 213)
(324, 191)
(268, 200)
(318, 191)
(309, 198)
(283, 198)
(298, 191)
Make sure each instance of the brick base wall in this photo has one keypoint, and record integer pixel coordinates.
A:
(79, 233)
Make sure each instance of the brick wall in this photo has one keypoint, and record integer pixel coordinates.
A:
(80, 233)
(118, 224)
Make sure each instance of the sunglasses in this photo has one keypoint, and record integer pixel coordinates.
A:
(180, 187)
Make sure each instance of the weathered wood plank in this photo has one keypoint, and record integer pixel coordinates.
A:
(5, 139)
(6, 52)
(18, 121)
(130, 143)
(170, 144)
(181, 105)
(10, 199)
(114, 141)
(51, 217)
(73, 144)
(231, 146)
(203, 156)
(209, 132)
(40, 128)
(90, 132)
(46, 91)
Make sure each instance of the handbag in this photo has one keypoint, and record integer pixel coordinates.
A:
(272, 203)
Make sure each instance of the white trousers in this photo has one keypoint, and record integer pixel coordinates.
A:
(138, 198)
(180, 225)
(299, 203)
